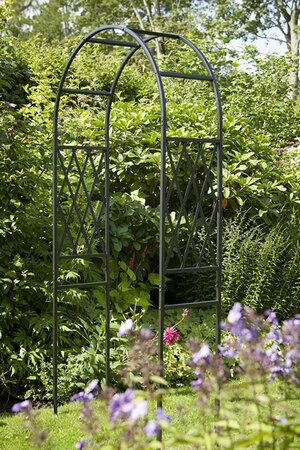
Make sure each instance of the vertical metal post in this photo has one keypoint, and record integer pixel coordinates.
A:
(107, 245)
(219, 217)
(162, 256)
(55, 267)
(219, 247)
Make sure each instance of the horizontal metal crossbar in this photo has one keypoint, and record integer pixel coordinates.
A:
(192, 269)
(84, 91)
(113, 42)
(81, 285)
(191, 76)
(192, 304)
(155, 33)
(84, 256)
(191, 139)
(81, 147)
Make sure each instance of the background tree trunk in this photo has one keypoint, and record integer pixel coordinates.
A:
(293, 46)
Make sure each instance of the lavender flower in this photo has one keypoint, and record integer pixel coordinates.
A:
(92, 388)
(198, 381)
(151, 428)
(235, 314)
(291, 329)
(271, 317)
(227, 352)
(202, 353)
(161, 415)
(124, 407)
(250, 333)
(274, 333)
(261, 346)
(125, 328)
(80, 444)
(88, 394)
(81, 397)
(22, 406)
(281, 419)
(139, 409)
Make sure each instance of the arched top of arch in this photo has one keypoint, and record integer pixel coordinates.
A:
(137, 39)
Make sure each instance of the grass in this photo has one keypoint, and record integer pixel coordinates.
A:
(65, 428)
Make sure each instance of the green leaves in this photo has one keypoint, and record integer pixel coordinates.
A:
(260, 178)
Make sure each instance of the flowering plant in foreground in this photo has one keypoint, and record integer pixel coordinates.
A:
(254, 346)
(36, 434)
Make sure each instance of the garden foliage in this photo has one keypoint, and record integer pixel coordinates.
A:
(261, 188)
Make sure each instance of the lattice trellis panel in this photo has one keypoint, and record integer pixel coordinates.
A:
(80, 201)
(192, 192)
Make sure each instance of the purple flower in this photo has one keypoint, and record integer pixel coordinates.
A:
(274, 334)
(249, 334)
(92, 387)
(123, 406)
(22, 406)
(81, 397)
(86, 395)
(227, 352)
(118, 403)
(161, 416)
(151, 428)
(290, 357)
(138, 409)
(235, 314)
(198, 382)
(204, 352)
(281, 419)
(291, 329)
(271, 317)
(125, 328)
(186, 312)
(80, 444)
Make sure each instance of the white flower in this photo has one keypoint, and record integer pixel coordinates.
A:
(125, 327)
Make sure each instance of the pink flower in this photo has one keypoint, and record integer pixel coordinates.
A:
(186, 312)
(170, 335)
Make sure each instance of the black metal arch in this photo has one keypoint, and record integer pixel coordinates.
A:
(190, 258)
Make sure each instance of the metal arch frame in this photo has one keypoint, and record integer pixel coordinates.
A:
(140, 44)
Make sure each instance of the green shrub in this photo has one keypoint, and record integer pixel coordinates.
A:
(262, 266)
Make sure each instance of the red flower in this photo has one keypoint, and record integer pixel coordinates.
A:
(170, 335)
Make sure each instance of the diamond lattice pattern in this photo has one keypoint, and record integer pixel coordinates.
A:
(191, 203)
(80, 202)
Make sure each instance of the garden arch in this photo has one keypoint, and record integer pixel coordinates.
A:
(70, 183)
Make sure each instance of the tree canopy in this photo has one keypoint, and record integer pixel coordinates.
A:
(223, 19)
